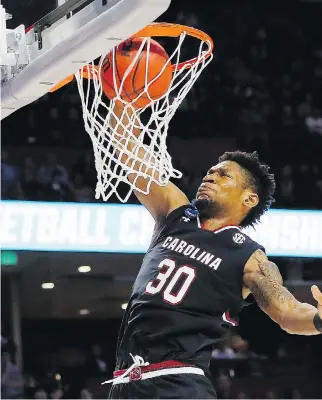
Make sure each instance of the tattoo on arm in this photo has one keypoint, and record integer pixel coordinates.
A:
(266, 284)
(266, 291)
(268, 268)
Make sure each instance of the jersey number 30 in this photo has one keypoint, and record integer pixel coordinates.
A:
(167, 280)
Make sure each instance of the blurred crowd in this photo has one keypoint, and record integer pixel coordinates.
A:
(74, 372)
(298, 186)
(263, 89)
(50, 181)
(54, 379)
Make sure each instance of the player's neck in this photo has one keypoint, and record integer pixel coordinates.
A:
(213, 224)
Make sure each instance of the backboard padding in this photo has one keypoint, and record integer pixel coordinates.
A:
(71, 43)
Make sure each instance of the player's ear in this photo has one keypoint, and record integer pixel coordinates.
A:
(250, 199)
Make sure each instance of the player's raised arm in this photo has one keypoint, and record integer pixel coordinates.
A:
(160, 200)
(264, 280)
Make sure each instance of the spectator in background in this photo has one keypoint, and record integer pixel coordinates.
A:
(83, 193)
(314, 125)
(40, 394)
(304, 188)
(292, 393)
(242, 395)
(86, 394)
(223, 386)
(271, 394)
(287, 116)
(240, 346)
(73, 115)
(53, 177)
(314, 122)
(29, 178)
(318, 194)
(9, 175)
(61, 185)
(95, 364)
(187, 18)
(223, 351)
(252, 116)
(74, 125)
(305, 108)
(85, 166)
(4, 342)
(286, 187)
(56, 127)
(259, 51)
(12, 383)
(30, 387)
(48, 169)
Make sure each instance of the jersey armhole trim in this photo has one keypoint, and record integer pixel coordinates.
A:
(162, 222)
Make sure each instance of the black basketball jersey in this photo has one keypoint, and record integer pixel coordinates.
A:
(188, 288)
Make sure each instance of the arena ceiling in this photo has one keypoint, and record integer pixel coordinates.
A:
(102, 291)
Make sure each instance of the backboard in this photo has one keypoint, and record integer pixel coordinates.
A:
(33, 60)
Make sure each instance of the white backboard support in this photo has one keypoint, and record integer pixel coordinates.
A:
(62, 42)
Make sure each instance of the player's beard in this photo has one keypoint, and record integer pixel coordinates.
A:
(207, 208)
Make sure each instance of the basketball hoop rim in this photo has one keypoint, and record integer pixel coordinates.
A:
(157, 29)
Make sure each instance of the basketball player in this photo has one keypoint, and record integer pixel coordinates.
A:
(194, 278)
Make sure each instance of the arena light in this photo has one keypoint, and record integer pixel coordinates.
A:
(84, 269)
(84, 311)
(47, 285)
(123, 306)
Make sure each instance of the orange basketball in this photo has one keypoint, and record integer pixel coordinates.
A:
(147, 67)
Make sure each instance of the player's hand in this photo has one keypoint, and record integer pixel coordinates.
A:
(318, 297)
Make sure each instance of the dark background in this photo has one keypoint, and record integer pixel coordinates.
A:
(262, 92)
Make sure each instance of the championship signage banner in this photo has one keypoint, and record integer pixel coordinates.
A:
(112, 228)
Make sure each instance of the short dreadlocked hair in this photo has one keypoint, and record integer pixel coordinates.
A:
(258, 178)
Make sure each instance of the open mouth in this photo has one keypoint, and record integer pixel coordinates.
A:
(202, 191)
(203, 196)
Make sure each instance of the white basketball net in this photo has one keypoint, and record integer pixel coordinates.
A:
(117, 154)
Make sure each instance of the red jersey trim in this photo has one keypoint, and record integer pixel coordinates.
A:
(156, 367)
(228, 318)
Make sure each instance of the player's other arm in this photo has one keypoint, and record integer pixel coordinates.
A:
(264, 280)
(161, 200)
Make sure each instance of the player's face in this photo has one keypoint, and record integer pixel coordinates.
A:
(223, 188)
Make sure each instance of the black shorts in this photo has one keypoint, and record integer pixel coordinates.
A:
(158, 381)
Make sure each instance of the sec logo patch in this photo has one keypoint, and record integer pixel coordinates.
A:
(239, 238)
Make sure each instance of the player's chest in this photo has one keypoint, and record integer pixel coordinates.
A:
(194, 245)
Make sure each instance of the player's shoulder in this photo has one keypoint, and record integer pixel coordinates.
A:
(184, 213)
(236, 238)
